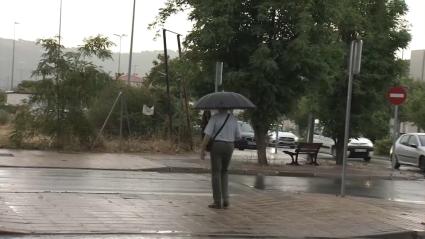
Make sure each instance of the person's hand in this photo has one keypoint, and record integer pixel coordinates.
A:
(202, 154)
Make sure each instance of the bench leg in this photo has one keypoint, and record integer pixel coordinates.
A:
(292, 160)
(296, 160)
(315, 160)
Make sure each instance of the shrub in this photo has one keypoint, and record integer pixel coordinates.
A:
(382, 146)
(4, 117)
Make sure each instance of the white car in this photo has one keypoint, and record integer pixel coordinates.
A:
(357, 147)
(286, 139)
(409, 150)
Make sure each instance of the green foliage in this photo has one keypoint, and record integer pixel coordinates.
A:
(276, 52)
(413, 109)
(182, 73)
(4, 117)
(140, 125)
(2, 97)
(61, 98)
(25, 126)
(382, 146)
(381, 26)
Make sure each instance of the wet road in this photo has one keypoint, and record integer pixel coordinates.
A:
(104, 181)
(396, 190)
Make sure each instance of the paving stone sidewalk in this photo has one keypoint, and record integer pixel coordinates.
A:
(259, 215)
(161, 208)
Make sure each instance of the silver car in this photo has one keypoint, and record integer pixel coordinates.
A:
(409, 150)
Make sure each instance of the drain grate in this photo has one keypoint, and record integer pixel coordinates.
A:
(6, 155)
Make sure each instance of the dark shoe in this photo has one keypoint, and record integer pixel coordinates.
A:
(215, 206)
(225, 205)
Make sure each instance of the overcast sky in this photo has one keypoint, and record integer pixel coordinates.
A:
(83, 18)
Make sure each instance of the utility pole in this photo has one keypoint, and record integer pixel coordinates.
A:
(186, 100)
(131, 43)
(170, 120)
(13, 55)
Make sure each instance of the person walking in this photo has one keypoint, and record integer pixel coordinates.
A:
(222, 129)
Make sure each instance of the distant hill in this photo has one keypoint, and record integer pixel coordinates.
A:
(27, 56)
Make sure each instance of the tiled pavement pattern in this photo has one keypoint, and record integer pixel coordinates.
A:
(253, 213)
(176, 204)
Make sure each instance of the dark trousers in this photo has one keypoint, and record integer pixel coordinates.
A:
(221, 153)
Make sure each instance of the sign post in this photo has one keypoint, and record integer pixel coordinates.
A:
(396, 95)
(354, 64)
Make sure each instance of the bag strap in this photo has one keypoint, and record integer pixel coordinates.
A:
(220, 127)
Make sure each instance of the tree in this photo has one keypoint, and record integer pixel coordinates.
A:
(271, 50)
(61, 98)
(414, 109)
(181, 72)
(381, 26)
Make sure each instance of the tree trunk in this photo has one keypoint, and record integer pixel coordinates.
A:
(310, 132)
(339, 144)
(260, 138)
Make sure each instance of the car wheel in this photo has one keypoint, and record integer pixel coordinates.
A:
(422, 163)
(367, 159)
(394, 162)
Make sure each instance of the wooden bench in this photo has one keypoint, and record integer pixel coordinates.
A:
(311, 149)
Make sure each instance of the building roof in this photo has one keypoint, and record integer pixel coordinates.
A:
(135, 78)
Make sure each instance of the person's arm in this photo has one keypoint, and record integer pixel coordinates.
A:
(204, 146)
(209, 129)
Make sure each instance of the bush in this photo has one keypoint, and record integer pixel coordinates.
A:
(4, 117)
(135, 97)
(383, 146)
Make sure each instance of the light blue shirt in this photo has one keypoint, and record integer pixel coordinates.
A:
(230, 131)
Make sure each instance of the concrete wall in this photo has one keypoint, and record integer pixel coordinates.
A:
(417, 65)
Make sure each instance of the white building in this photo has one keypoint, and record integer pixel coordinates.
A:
(417, 65)
(14, 98)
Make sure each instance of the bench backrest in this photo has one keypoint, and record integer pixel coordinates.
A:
(308, 147)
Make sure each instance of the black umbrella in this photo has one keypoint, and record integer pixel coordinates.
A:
(224, 100)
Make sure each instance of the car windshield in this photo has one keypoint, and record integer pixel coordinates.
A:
(422, 139)
(245, 127)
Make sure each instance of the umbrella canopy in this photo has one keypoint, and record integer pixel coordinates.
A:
(224, 100)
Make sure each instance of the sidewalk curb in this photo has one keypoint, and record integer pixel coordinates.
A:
(395, 235)
(168, 169)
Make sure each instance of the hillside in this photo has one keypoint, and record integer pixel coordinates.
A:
(27, 55)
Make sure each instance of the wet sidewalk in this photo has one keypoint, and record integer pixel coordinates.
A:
(148, 201)
(66, 202)
(259, 215)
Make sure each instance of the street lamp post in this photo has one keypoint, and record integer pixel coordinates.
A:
(131, 43)
(119, 54)
(13, 55)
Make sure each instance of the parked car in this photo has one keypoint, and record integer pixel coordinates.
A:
(360, 148)
(247, 140)
(357, 147)
(286, 139)
(409, 149)
(328, 144)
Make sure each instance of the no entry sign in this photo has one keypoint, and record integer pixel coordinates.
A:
(397, 95)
